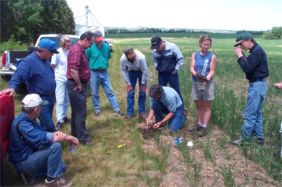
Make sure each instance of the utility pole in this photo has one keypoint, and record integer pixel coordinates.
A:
(86, 15)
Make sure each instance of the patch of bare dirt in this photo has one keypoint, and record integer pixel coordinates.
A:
(225, 161)
(175, 174)
(228, 159)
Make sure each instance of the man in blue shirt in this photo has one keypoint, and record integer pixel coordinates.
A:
(168, 60)
(35, 151)
(35, 70)
(166, 106)
(255, 67)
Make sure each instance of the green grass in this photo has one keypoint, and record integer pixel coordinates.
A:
(227, 176)
(108, 165)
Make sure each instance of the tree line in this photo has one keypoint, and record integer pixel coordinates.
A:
(274, 33)
(25, 20)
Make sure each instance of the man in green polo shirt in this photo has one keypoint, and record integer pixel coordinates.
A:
(98, 56)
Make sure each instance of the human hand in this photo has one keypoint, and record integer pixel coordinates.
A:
(9, 91)
(73, 140)
(143, 88)
(129, 88)
(238, 52)
(149, 122)
(201, 77)
(78, 88)
(174, 71)
(157, 125)
(278, 85)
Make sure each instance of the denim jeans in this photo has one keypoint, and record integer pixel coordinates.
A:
(178, 120)
(62, 100)
(172, 79)
(45, 117)
(102, 78)
(44, 162)
(253, 120)
(78, 111)
(133, 77)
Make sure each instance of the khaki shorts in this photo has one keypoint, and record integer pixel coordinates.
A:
(203, 90)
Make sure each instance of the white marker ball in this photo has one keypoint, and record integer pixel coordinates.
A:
(189, 143)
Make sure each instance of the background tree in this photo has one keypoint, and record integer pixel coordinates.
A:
(274, 33)
(25, 20)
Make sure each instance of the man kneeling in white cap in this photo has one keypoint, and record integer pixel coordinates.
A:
(35, 151)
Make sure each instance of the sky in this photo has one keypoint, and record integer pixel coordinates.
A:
(192, 14)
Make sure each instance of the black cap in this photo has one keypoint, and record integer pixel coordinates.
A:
(155, 42)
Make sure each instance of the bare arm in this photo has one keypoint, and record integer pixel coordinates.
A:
(192, 65)
(62, 137)
(166, 118)
(75, 76)
(212, 68)
(149, 121)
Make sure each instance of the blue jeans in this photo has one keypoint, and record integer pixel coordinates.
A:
(44, 162)
(102, 78)
(253, 120)
(62, 100)
(45, 116)
(133, 76)
(178, 120)
(172, 80)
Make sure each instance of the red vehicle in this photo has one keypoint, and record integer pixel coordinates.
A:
(7, 114)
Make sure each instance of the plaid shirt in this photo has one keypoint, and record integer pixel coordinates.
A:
(78, 61)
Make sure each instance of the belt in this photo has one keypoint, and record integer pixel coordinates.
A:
(257, 80)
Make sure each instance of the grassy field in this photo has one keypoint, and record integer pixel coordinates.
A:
(124, 156)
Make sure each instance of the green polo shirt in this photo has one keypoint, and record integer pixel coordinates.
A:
(98, 57)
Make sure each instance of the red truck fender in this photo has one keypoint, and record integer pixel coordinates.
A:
(7, 115)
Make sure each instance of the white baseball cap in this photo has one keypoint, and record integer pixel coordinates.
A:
(33, 100)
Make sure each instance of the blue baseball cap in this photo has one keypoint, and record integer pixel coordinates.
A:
(48, 44)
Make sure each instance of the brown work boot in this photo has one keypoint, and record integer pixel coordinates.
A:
(197, 127)
(58, 182)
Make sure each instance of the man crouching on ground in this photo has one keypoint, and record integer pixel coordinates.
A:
(35, 151)
(166, 106)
